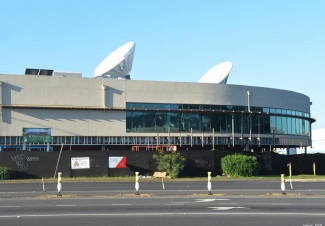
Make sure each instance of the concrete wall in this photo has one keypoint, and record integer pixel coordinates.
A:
(89, 92)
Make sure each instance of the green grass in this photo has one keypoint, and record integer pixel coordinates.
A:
(132, 178)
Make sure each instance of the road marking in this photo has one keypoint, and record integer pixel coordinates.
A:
(65, 205)
(226, 208)
(9, 206)
(120, 204)
(244, 214)
(280, 204)
(179, 202)
(209, 200)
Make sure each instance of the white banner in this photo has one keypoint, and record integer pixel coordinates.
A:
(80, 163)
(117, 162)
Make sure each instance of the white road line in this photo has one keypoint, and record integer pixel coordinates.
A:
(209, 200)
(179, 202)
(117, 204)
(280, 204)
(65, 205)
(226, 208)
(166, 214)
(9, 206)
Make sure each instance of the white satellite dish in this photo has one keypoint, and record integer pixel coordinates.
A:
(218, 74)
(118, 64)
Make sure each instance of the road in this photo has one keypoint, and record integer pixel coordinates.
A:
(172, 188)
(177, 210)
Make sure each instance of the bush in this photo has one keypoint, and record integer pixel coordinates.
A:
(5, 173)
(240, 165)
(172, 163)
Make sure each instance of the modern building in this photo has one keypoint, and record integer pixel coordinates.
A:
(50, 108)
(103, 112)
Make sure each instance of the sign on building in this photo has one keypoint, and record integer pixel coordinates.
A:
(116, 162)
(36, 135)
(80, 163)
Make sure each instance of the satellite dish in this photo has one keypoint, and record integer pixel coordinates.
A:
(218, 74)
(118, 64)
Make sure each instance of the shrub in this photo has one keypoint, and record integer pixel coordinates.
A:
(5, 173)
(172, 163)
(240, 165)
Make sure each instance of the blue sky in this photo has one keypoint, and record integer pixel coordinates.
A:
(277, 44)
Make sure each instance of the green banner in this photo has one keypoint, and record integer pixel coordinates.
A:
(36, 135)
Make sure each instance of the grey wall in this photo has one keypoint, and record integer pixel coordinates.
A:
(89, 92)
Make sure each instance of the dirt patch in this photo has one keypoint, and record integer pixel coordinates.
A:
(217, 194)
(280, 194)
(57, 197)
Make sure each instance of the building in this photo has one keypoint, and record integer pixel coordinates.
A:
(98, 112)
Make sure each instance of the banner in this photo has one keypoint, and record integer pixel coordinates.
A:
(36, 135)
(116, 162)
(80, 163)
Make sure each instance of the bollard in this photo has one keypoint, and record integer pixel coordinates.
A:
(163, 184)
(283, 187)
(137, 183)
(290, 176)
(314, 168)
(44, 190)
(59, 184)
(209, 183)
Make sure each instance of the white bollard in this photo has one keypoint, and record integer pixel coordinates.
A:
(59, 184)
(283, 187)
(137, 183)
(163, 184)
(209, 183)
(44, 190)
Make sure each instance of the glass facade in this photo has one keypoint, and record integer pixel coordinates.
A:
(141, 119)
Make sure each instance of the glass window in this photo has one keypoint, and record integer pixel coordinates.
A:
(172, 121)
(266, 110)
(293, 112)
(265, 124)
(173, 106)
(289, 120)
(183, 106)
(137, 121)
(278, 111)
(215, 122)
(205, 107)
(237, 123)
(128, 105)
(162, 106)
(161, 121)
(194, 106)
(183, 119)
(284, 125)
(278, 124)
(195, 121)
(284, 112)
(293, 126)
(206, 122)
(245, 124)
(289, 112)
(137, 105)
(128, 121)
(272, 110)
(273, 124)
(215, 107)
(149, 121)
(150, 106)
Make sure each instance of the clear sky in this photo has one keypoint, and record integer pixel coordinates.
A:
(277, 44)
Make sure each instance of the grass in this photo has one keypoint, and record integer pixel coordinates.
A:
(132, 178)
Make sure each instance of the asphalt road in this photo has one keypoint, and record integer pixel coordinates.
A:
(172, 188)
(164, 210)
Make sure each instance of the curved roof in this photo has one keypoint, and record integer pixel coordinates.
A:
(218, 74)
(118, 64)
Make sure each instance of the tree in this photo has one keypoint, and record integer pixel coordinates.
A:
(172, 163)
